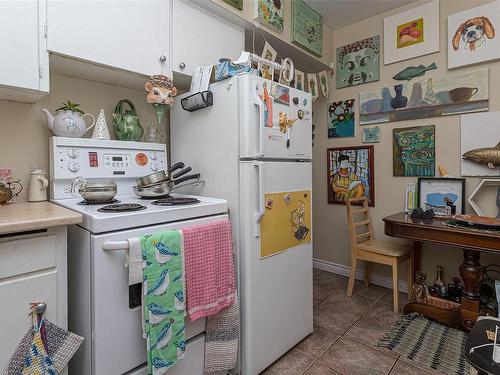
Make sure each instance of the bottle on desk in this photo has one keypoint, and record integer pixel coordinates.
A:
(438, 289)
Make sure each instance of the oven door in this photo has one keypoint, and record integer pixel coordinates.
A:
(117, 340)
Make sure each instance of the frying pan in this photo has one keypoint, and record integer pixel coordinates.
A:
(161, 176)
(163, 189)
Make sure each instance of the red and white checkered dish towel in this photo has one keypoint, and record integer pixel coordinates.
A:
(210, 279)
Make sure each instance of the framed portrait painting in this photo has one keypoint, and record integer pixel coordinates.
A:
(473, 35)
(350, 174)
(412, 33)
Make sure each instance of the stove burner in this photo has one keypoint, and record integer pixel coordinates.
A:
(122, 207)
(88, 202)
(172, 201)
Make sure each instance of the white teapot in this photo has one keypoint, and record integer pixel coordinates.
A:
(68, 121)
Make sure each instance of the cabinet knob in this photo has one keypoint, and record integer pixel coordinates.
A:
(182, 65)
(163, 58)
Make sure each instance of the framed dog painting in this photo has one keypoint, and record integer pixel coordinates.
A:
(473, 35)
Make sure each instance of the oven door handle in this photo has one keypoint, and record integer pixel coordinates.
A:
(115, 245)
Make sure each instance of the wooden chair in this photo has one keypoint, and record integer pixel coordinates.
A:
(364, 247)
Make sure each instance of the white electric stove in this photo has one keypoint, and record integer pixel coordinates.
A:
(102, 307)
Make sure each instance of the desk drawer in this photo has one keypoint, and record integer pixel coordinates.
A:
(27, 255)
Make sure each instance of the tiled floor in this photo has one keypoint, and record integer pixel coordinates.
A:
(346, 331)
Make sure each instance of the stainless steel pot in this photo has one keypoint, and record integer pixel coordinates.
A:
(163, 189)
(96, 190)
(162, 176)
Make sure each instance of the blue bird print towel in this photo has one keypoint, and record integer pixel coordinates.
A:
(164, 305)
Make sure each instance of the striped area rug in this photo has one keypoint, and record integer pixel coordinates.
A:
(428, 343)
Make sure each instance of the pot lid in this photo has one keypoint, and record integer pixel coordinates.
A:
(100, 183)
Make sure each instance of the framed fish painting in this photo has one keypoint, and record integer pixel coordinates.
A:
(474, 35)
(412, 33)
(414, 151)
(350, 174)
(341, 119)
(307, 27)
(358, 62)
(270, 13)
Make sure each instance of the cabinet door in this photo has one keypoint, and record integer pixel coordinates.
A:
(202, 38)
(129, 35)
(16, 295)
(20, 34)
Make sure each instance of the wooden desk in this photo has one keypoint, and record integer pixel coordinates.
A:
(472, 243)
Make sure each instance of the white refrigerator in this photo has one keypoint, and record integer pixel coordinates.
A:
(265, 174)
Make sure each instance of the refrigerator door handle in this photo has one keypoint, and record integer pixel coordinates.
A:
(260, 213)
(258, 102)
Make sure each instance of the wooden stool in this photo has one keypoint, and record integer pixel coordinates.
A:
(364, 247)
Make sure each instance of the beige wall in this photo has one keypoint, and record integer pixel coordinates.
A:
(24, 139)
(330, 236)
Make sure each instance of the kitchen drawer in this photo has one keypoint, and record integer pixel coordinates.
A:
(27, 255)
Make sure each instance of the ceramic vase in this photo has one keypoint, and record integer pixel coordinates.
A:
(399, 101)
(101, 130)
(416, 96)
(386, 100)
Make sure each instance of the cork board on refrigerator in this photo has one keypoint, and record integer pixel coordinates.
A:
(286, 222)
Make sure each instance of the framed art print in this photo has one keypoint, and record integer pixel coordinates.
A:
(350, 174)
(371, 134)
(358, 62)
(437, 193)
(413, 151)
(473, 35)
(270, 13)
(307, 27)
(412, 33)
(238, 4)
(341, 119)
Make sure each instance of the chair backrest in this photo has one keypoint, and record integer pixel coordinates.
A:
(358, 217)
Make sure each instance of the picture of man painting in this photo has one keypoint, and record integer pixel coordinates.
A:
(350, 174)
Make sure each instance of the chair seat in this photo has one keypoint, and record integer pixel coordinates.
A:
(384, 247)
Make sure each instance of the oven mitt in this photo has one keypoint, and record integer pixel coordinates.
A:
(55, 345)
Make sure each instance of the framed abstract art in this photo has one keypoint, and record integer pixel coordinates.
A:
(412, 33)
(350, 174)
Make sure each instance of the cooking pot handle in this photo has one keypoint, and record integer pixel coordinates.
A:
(177, 181)
(75, 184)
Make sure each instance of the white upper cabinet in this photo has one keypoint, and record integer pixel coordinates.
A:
(129, 35)
(24, 60)
(201, 37)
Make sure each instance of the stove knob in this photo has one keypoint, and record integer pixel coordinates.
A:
(154, 167)
(74, 167)
(73, 152)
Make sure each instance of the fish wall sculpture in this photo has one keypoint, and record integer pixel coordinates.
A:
(489, 156)
(411, 72)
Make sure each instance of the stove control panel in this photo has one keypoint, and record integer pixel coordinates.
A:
(120, 161)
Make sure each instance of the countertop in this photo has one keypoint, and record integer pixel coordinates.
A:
(24, 216)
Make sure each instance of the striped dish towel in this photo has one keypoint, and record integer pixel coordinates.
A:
(210, 278)
(221, 342)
